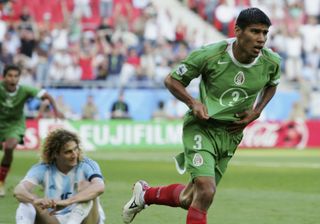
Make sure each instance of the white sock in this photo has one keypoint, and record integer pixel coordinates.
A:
(80, 212)
(25, 214)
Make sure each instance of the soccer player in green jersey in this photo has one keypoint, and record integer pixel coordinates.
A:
(12, 120)
(238, 78)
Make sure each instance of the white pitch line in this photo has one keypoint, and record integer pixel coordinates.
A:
(274, 164)
(166, 158)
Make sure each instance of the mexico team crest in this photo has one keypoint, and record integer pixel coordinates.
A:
(197, 160)
(9, 102)
(239, 78)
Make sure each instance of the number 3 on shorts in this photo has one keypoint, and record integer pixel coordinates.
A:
(198, 142)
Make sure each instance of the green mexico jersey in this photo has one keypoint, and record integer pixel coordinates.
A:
(12, 104)
(228, 86)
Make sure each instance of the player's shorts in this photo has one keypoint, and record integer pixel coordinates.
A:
(208, 147)
(15, 131)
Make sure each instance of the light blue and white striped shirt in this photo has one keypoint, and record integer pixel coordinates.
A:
(58, 185)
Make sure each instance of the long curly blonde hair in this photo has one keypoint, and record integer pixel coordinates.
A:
(55, 141)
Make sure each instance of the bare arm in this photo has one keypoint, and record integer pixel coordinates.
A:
(57, 113)
(180, 92)
(247, 117)
(91, 191)
(23, 192)
(264, 98)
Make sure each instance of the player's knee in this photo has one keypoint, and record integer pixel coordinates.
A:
(94, 215)
(25, 214)
(80, 212)
(9, 147)
(185, 201)
(85, 206)
(10, 144)
(206, 196)
(205, 190)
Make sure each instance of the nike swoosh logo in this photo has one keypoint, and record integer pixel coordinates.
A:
(222, 62)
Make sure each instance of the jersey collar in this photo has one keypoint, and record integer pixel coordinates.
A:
(12, 93)
(235, 61)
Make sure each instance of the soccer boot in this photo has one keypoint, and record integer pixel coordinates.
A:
(2, 189)
(136, 203)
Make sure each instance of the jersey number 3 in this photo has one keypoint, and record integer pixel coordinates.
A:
(198, 142)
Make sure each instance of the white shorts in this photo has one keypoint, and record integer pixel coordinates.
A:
(80, 212)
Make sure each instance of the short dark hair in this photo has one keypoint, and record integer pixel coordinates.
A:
(11, 67)
(252, 16)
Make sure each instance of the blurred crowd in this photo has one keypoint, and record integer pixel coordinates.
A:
(134, 44)
(294, 34)
(116, 43)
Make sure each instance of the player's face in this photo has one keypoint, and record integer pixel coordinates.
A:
(250, 41)
(11, 80)
(68, 157)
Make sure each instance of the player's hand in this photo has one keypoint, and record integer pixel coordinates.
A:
(58, 205)
(44, 203)
(246, 117)
(199, 110)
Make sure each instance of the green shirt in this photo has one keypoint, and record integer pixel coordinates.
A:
(12, 104)
(227, 86)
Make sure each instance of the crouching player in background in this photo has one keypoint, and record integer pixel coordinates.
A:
(12, 120)
(71, 184)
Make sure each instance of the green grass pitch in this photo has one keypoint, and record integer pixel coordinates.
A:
(259, 187)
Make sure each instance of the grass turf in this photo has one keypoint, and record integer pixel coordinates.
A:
(260, 186)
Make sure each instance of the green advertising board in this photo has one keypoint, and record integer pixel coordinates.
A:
(122, 134)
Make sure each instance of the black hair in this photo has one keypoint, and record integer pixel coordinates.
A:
(252, 16)
(11, 67)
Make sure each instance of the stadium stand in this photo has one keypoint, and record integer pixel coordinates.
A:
(102, 45)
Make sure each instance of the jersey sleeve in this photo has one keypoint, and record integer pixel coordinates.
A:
(36, 174)
(190, 68)
(91, 169)
(275, 71)
(34, 92)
